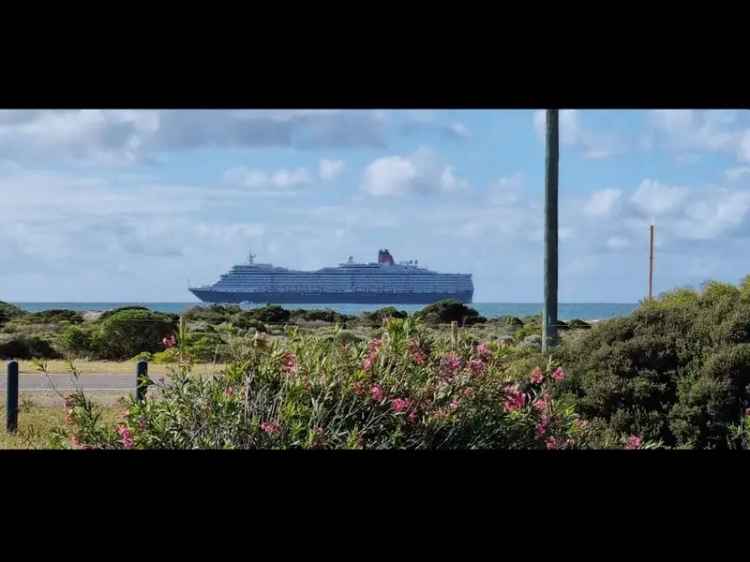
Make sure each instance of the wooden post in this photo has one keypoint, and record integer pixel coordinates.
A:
(141, 381)
(11, 404)
(651, 267)
(549, 328)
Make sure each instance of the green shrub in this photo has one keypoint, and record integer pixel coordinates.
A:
(376, 317)
(577, 324)
(28, 347)
(108, 313)
(449, 310)
(166, 357)
(129, 332)
(214, 314)
(54, 317)
(77, 341)
(8, 312)
(675, 370)
(326, 315)
(269, 314)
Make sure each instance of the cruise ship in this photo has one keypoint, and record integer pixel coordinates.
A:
(381, 282)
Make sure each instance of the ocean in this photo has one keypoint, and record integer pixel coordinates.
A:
(566, 311)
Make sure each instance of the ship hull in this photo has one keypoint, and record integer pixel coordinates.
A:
(232, 297)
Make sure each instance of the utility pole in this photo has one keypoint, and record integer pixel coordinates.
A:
(651, 266)
(549, 330)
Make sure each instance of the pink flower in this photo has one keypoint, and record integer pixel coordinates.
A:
(468, 393)
(377, 393)
(476, 366)
(514, 399)
(559, 374)
(417, 354)
(541, 429)
(374, 345)
(270, 427)
(412, 417)
(169, 341)
(454, 405)
(551, 443)
(229, 392)
(633, 442)
(540, 404)
(450, 364)
(484, 352)
(536, 376)
(126, 438)
(400, 405)
(367, 363)
(289, 363)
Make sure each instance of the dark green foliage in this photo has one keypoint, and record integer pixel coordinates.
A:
(247, 321)
(676, 369)
(376, 317)
(129, 332)
(109, 313)
(269, 314)
(577, 324)
(54, 317)
(326, 315)
(77, 341)
(27, 347)
(449, 310)
(9, 311)
(214, 314)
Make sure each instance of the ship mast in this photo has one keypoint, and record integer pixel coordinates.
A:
(250, 258)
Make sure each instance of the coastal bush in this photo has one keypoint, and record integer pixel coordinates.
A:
(675, 370)
(126, 333)
(54, 317)
(375, 318)
(449, 310)
(269, 314)
(247, 322)
(107, 313)
(404, 390)
(8, 312)
(27, 347)
(326, 315)
(213, 314)
(77, 341)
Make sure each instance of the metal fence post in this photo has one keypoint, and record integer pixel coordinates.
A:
(11, 406)
(141, 381)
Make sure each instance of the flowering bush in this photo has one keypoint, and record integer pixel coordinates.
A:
(403, 389)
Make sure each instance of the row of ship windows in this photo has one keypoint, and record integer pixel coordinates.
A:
(359, 283)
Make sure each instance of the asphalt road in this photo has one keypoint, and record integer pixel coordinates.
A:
(89, 383)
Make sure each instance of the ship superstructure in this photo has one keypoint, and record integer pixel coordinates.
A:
(381, 282)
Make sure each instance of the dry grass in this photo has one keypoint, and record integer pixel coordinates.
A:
(40, 415)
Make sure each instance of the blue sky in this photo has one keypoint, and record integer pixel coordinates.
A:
(130, 205)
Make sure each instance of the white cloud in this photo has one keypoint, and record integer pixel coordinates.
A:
(602, 202)
(460, 130)
(120, 137)
(594, 145)
(421, 172)
(689, 130)
(654, 198)
(261, 180)
(330, 169)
